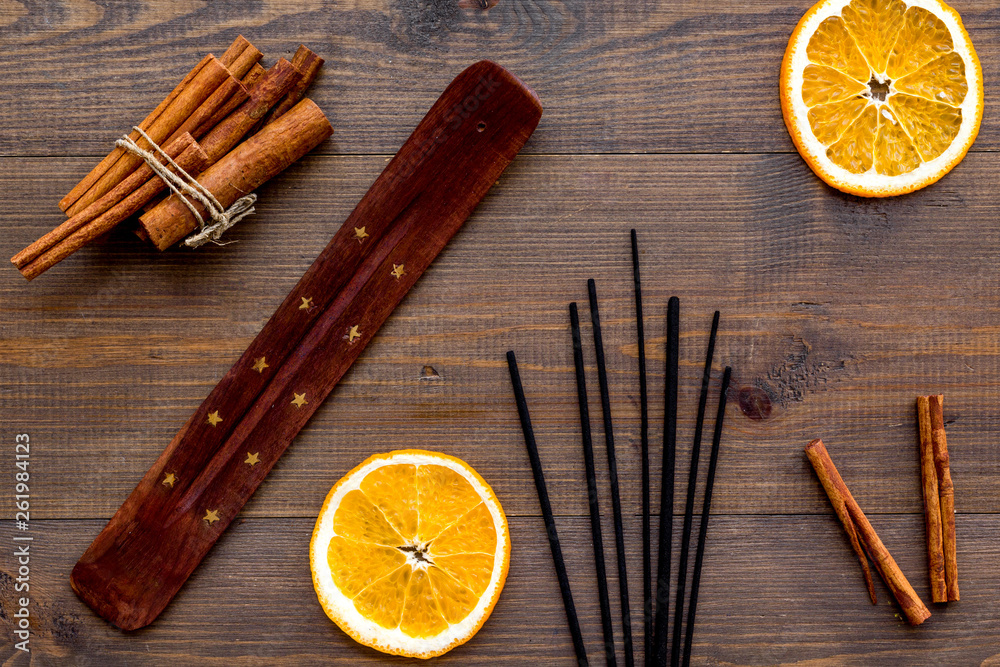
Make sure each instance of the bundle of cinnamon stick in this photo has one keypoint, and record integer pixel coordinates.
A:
(230, 124)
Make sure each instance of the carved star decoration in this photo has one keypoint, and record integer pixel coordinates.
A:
(397, 271)
(306, 304)
(252, 459)
(299, 400)
(260, 365)
(353, 333)
(360, 234)
(169, 480)
(211, 516)
(214, 418)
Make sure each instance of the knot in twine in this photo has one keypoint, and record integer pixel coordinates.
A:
(182, 183)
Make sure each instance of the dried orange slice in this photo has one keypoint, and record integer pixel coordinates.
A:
(881, 97)
(410, 553)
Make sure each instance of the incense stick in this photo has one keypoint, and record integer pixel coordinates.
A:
(661, 618)
(706, 508)
(647, 585)
(543, 500)
(616, 505)
(595, 512)
(675, 657)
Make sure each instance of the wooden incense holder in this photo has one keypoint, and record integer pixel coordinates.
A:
(214, 464)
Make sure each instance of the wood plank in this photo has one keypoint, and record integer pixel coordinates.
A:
(776, 590)
(841, 310)
(614, 76)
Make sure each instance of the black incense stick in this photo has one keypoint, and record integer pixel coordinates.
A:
(616, 505)
(706, 508)
(661, 619)
(647, 585)
(595, 512)
(543, 500)
(682, 561)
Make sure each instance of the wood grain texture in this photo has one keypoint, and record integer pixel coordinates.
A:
(840, 310)
(252, 601)
(106, 357)
(111, 353)
(616, 75)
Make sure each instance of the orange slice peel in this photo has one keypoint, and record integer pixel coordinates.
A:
(410, 553)
(881, 97)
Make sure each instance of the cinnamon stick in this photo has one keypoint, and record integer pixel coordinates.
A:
(840, 509)
(231, 92)
(201, 86)
(249, 82)
(240, 57)
(231, 59)
(932, 505)
(102, 167)
(946, 492)
(267, 91)
(253, 76)
(192, 158)
(275, 83)
(914, 609)
(120, 192)
(308, 64)
(235, 50)
(249, 165)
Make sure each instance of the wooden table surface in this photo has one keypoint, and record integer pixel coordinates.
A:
(661, 116)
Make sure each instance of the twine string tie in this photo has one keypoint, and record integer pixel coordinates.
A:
(182, 183)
